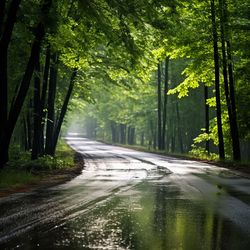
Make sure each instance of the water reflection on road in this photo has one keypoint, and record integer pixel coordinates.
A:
(126, 200)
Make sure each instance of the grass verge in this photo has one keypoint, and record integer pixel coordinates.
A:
(15, 178)
(22, 174)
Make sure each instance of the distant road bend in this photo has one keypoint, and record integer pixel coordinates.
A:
(126, 199)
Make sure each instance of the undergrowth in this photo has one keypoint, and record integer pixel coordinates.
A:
(18, 171)
(64, 158)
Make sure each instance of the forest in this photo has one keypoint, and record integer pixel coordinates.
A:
(171, 76)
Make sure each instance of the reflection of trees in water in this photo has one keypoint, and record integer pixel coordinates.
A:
(160, 214)
(164, 214)
(189, 224)
(128, 231)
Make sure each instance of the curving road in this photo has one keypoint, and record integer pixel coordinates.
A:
(125, 199)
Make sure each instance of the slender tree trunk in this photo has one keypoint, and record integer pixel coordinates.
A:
(29, 125)
(179, 128)
(206, 116)
(228, 69)
(2, 15)
(43, 98)
(64, 110)
(128, 135)
(173, 123)
(159, 108)
(25, 134)
(113, 132)
(5, 36)
(173, 142)
(234, 125)
(165, 104)
(122, 133)
(51, 105)
(36, 114)
(132, 135)
(153, 134)
(217, 82)
(142, 138)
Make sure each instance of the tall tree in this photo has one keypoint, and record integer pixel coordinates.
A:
(159, 105)
(5, 37)
(63, 111)
(36, 113)
(42, 115)
(51, 119)
(229, 83)
(217, 80)
(39, 33)
(165, 99)
(206, 116)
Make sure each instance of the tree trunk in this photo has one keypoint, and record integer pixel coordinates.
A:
(7, 30)
(159, 108)
(51, 105)
(29, 124)
(63, 110)
(24, 86)
(122, 133)
(228, 69)
(165, 104)
(217, 82)
(36, 114)
(128, 135)
(142, 138)
(2, 15)
(25, 134)
(234, 125)
(113, 132)
(206, 116)
(43, 98)
(179, 128)
(153, 135)
(132, 135)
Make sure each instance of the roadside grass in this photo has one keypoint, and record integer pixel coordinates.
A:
(64, 158)
(13, 178)
(21, 170)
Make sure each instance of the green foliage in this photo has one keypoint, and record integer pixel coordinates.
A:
(201, 153)
(116, 46)
(21, 160)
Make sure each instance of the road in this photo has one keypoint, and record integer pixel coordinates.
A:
(125, 199)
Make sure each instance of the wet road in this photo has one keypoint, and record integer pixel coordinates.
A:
(126, 199)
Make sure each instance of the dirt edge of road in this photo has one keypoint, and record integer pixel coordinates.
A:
(49, 178)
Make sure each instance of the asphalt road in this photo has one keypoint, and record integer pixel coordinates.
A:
(125, 199)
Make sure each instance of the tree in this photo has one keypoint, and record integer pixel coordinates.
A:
(159, 113)
(15, 110)
(217, 82)
(165, 104)
(229, 80)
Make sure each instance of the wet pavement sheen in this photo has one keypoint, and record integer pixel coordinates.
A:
(126, 199)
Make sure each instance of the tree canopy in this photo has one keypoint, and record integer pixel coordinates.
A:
(172, 75)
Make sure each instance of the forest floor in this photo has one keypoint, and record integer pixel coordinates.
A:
(47, 178)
